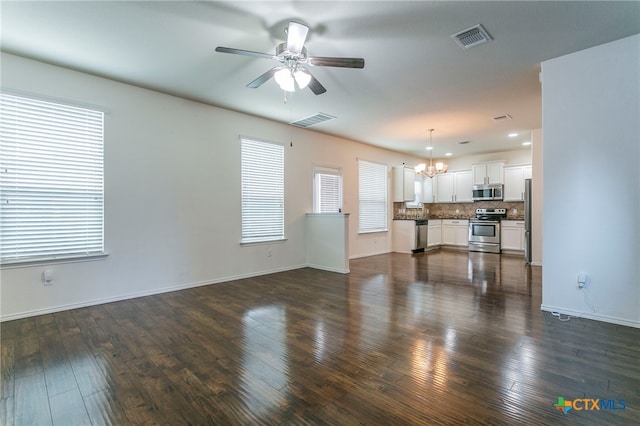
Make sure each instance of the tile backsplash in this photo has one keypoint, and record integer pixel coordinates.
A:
(515, 210)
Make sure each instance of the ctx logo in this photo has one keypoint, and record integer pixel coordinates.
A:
(589, 404)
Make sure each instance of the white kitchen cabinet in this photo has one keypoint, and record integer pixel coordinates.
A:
(464, 183)
(404, 179)
(486, 173)
(512, 235)
(446, 187)
(514, 177)
(454, 187)
(455, 232)
(434, 235)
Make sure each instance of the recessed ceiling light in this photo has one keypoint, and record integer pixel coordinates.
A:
(513, 135)
(526, 143)
(429, 148)
(448, 154)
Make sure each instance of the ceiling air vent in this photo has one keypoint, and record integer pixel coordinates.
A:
(313, 119)
(502, 117)
(472, 37)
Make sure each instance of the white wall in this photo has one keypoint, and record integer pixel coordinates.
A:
(536, 197)
(172, 194)
(591, 153)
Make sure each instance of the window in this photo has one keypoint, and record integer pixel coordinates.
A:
(262, 191)
(51, 180)
(327, 190)
(372, 179)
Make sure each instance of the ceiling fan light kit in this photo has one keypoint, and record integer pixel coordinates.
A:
(292, 55)
(287, 79)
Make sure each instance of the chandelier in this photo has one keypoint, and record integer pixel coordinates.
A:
(431, 170)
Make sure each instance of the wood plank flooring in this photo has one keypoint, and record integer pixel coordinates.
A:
(435, 338)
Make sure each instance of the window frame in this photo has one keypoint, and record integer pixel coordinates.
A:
(245, 215)
(320, 170)
(380, 182)
(41, 175)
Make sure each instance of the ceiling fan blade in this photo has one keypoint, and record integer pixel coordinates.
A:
(315, 86)
(336, 62)
(296, 36)
(231, 50)
(263, 78)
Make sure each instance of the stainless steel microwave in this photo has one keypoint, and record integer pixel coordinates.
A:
(492, 191)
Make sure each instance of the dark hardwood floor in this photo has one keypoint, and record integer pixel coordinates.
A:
(438, 338)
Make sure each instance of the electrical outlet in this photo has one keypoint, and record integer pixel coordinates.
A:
(269, 253)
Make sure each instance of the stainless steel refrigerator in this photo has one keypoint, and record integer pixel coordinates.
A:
(527, 220)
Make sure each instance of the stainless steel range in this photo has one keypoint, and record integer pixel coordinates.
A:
(484, 230)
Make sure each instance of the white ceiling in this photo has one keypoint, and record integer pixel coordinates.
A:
(415, 76)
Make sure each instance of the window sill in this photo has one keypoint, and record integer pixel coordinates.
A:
(53, 260)
(377, 231)
(253, 243)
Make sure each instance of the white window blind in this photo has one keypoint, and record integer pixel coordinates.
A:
(327, 190)
(372, 193)
(262, 191)
(51, 180)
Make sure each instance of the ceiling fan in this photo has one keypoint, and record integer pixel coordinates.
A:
(293, 56)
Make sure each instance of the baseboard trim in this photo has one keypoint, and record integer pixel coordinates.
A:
(591, 316)
(359, 256)
(168, 289)
(330, 269)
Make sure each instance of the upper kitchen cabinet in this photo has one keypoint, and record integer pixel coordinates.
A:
(454, 187)
(514, 177)
(486, 173)
(404, 179)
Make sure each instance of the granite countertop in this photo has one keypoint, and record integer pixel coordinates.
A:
(452, 217)
(430, 217)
